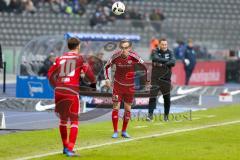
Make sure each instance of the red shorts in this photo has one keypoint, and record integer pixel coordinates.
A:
(67, 104)
(125, 93)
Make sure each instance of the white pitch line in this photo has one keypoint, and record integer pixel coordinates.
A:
(134, 139)
(46, 120)
(140, 127)
(211, 116)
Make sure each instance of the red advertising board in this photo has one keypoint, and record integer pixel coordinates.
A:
(205, 73)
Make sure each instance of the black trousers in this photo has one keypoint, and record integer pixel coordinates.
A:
(188, 71)
(167, 104)
(160, 86)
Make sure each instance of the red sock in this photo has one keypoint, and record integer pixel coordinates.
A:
(126, 117)
(63, 132)
(73, 135)
(115, 119)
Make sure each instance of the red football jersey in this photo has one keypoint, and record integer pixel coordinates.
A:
(125, 71)
(66, 71)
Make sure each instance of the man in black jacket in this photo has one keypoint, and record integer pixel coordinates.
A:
(162, 62)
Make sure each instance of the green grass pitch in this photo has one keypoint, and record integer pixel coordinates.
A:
(207, 143)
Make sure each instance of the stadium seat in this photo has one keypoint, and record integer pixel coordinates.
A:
(185, 16)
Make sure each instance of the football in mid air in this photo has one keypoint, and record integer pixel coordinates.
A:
(118, 8)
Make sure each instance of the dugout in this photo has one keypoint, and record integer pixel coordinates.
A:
(33, 56)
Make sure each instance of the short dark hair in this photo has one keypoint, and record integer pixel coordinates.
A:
(125, 41)
(73, 43)
(162, 39)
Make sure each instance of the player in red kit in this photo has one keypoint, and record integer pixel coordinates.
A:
(64, 76)
(123, 83)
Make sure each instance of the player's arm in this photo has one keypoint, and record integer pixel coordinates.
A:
(86, 69)
(109, 63)
(106, 67)
(53, 73)
(90, 75)
(88, 72)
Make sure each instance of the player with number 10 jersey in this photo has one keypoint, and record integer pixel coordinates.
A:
(64, 76)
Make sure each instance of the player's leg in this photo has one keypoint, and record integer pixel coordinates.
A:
(64, 135)
(74, 112)
(126, 118)
(116, 99)
(128, 100)
(59, 110)
(115, 117)
(73, 135)
(72, 139)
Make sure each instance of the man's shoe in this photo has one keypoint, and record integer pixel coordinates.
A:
(149, 118)
(125, 135)
(65, 150)
(115, 135)
(166, 118)
(72, 154)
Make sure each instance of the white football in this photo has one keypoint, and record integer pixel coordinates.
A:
(118, 8)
